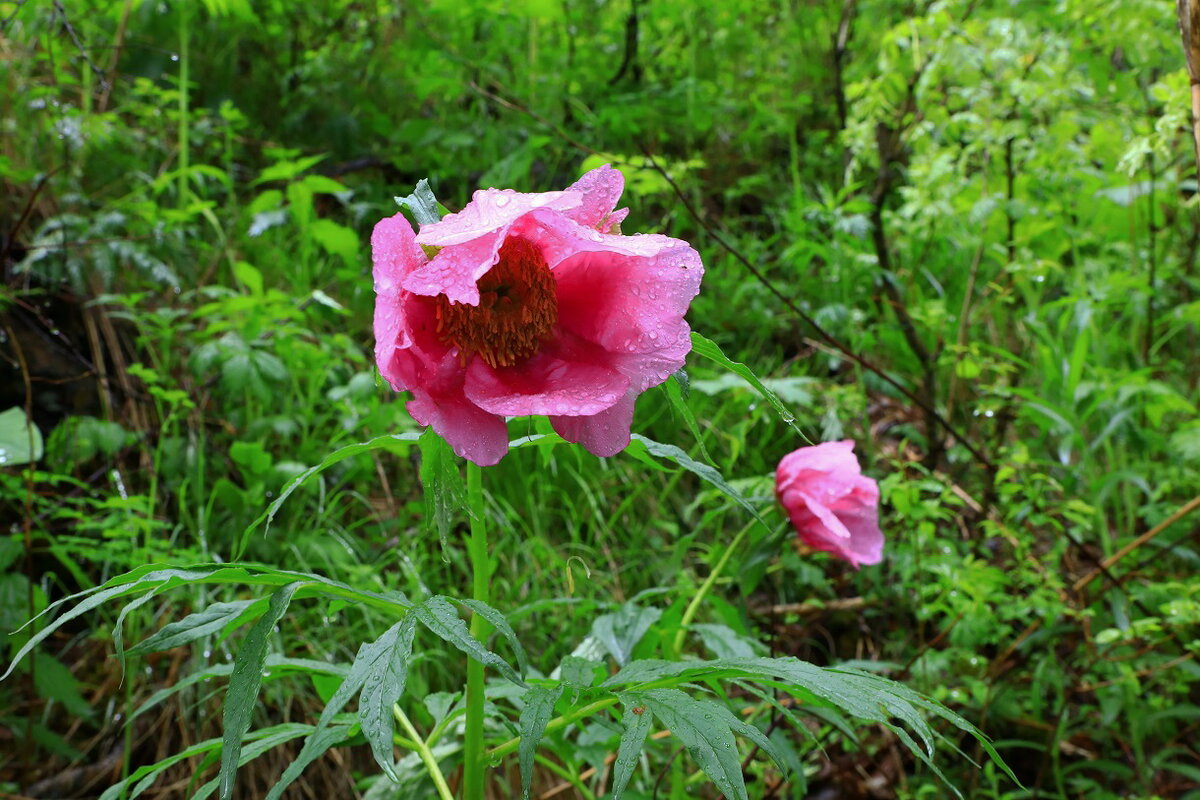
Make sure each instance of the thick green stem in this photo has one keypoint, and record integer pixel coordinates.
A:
(423, 750)
(477, 549)
(694, 606)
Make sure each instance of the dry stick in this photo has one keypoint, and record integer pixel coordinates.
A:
(1189, 31)
(1183, 511)
(1101, 569)
(70, 29)
(119, 43)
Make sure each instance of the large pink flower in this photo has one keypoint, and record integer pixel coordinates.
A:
(833, 506)
(530, 304)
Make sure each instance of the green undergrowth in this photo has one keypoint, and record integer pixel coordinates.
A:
(982, 209)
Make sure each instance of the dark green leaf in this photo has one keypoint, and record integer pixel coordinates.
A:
(244, 685)
(442, 483)
(383, 685)
(539, 707)
(636, 721)
(706, 733)
(707, 348)
(192, 627)
(442, 618)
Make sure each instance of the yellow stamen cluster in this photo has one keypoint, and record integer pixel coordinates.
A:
(516, 312)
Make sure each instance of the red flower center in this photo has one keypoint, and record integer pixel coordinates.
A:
(517, 309)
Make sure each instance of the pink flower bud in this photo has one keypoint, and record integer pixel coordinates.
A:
(833, 506)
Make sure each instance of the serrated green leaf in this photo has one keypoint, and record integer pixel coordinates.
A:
(192, 627)
(442, 619)
(383, 685)
(705, 732)
(636, 727)
(244, 684)
(372, 657)
(539, 707)
(578, 673)
(421, 203)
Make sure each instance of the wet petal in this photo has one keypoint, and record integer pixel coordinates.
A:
(604, 434)
(600, 188)
(568, 377)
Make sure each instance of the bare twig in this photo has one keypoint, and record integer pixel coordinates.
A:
(70, 29)
(1189, 31)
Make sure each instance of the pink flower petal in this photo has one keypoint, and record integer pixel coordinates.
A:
(604, 434)
(456, 270)
(568, 377)
(490, 211)
(395, 254)
(473, 433)
(601, 188)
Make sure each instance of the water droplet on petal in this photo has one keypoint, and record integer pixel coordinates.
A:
(501, 200)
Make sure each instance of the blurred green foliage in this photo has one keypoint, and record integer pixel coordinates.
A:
(993, 203)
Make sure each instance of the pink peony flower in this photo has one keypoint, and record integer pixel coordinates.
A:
(833, 506)
(530, 304)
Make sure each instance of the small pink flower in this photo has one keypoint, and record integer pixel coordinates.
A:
(530, 304)
(833, 506)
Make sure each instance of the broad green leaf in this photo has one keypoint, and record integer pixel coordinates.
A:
(702, 471)
(636, 723)
(707, 348)
(421, 203)
(336, 240)
(383, 685)
(192, 627)
(704, 731)
(244, 685)
(442, 618)
(539, 707)
(20, 439)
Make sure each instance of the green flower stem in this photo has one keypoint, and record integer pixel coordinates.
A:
(694, 606)
(425, 752)
(477, 549)
(500, 751)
